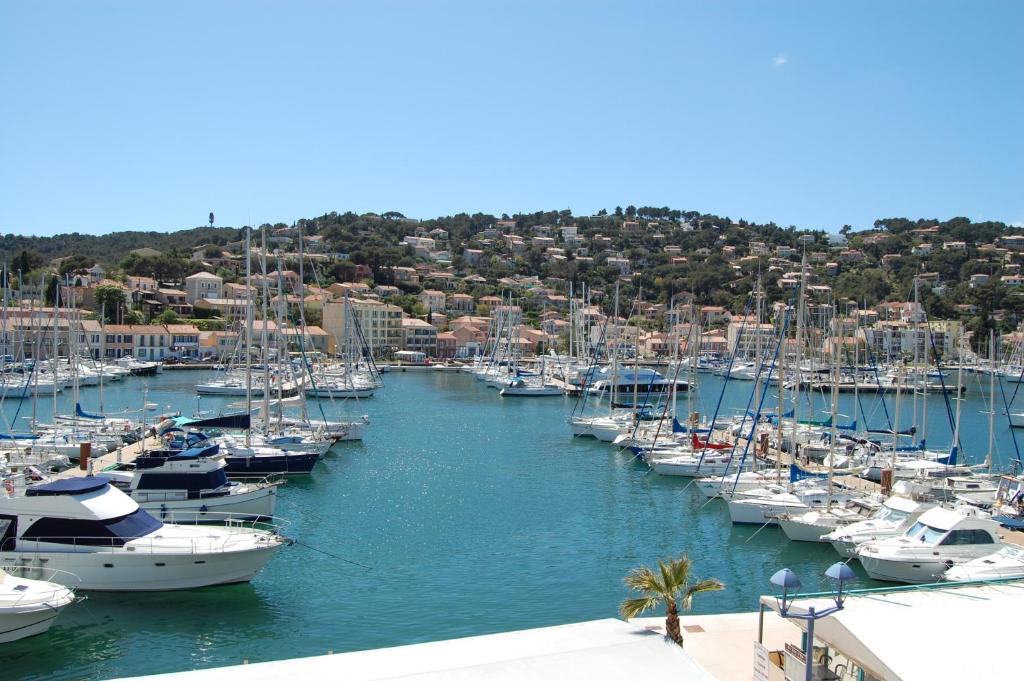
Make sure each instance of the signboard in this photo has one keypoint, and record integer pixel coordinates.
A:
(761, 662)
(795, 665)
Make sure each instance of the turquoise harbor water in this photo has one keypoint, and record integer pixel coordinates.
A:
(477, 514)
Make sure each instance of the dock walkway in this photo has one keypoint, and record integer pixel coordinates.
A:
(125, 454)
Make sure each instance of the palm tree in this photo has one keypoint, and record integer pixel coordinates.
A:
(670, 585)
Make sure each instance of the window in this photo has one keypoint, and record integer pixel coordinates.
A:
(87, 532)
(967, 538)
(925, 533)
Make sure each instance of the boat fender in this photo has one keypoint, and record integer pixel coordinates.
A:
(203, 509)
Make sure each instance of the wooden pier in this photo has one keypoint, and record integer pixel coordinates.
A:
(101, 462)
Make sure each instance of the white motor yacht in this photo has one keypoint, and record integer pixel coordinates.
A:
(86, 527)
(938, 541)
(895, 516)
(29, 606)
(191, 486)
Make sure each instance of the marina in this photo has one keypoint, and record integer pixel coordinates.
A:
(511, 341)
(423, 502)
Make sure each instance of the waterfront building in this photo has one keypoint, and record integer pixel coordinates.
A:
(380, 324)
(903, 339)
(419, 336)
(184, 340)
(446, 345)
(316, 339)
(151, 342)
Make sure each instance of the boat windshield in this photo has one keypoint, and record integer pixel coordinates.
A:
(926, 534)
(891, 514)
(1011, 551)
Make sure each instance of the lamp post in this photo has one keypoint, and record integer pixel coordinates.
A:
(786, 582)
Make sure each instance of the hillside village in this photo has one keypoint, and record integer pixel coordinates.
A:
(440, 286)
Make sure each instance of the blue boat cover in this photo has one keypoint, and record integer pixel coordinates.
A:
(197, 452)
(81, 413)
(797, 473)
(67, 486)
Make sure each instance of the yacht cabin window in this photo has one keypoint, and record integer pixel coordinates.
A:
(967, 538)
(926, 534)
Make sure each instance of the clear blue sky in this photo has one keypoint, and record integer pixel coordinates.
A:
(135, 115)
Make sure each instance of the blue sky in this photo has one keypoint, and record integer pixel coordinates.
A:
(148, 116)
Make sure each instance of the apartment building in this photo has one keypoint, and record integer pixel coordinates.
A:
(419, 336)
(379, 323)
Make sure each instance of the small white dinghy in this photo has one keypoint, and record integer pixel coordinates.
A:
(29, 606)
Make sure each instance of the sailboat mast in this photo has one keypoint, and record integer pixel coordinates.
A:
(302, 324)
(991, 398)
(248, 331)
(959, 392)
(264, 356)
(836, 345)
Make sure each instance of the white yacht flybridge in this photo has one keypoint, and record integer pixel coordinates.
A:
(87, 528)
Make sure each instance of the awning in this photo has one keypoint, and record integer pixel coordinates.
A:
(924, 633)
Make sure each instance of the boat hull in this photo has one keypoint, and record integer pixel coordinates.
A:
(266, 464)
(23, 623)
(804, 531)
(922, 571)
(144, 571)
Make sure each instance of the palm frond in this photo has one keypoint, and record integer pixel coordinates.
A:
(633, 607)
(702, 586)
(643, 579)
(668, 576)
(681, 570)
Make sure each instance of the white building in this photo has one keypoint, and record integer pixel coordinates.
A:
(203, 286)
(902, 339)
(434, 301)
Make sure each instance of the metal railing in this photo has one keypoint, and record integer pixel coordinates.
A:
(239, 534)
(13, 599)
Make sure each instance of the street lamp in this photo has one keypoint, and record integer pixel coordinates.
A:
(787, 585)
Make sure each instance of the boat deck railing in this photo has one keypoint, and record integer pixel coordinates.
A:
(13, 599)
(241, 522)
(240, 531)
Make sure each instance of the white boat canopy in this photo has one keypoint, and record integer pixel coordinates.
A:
(899, 635)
